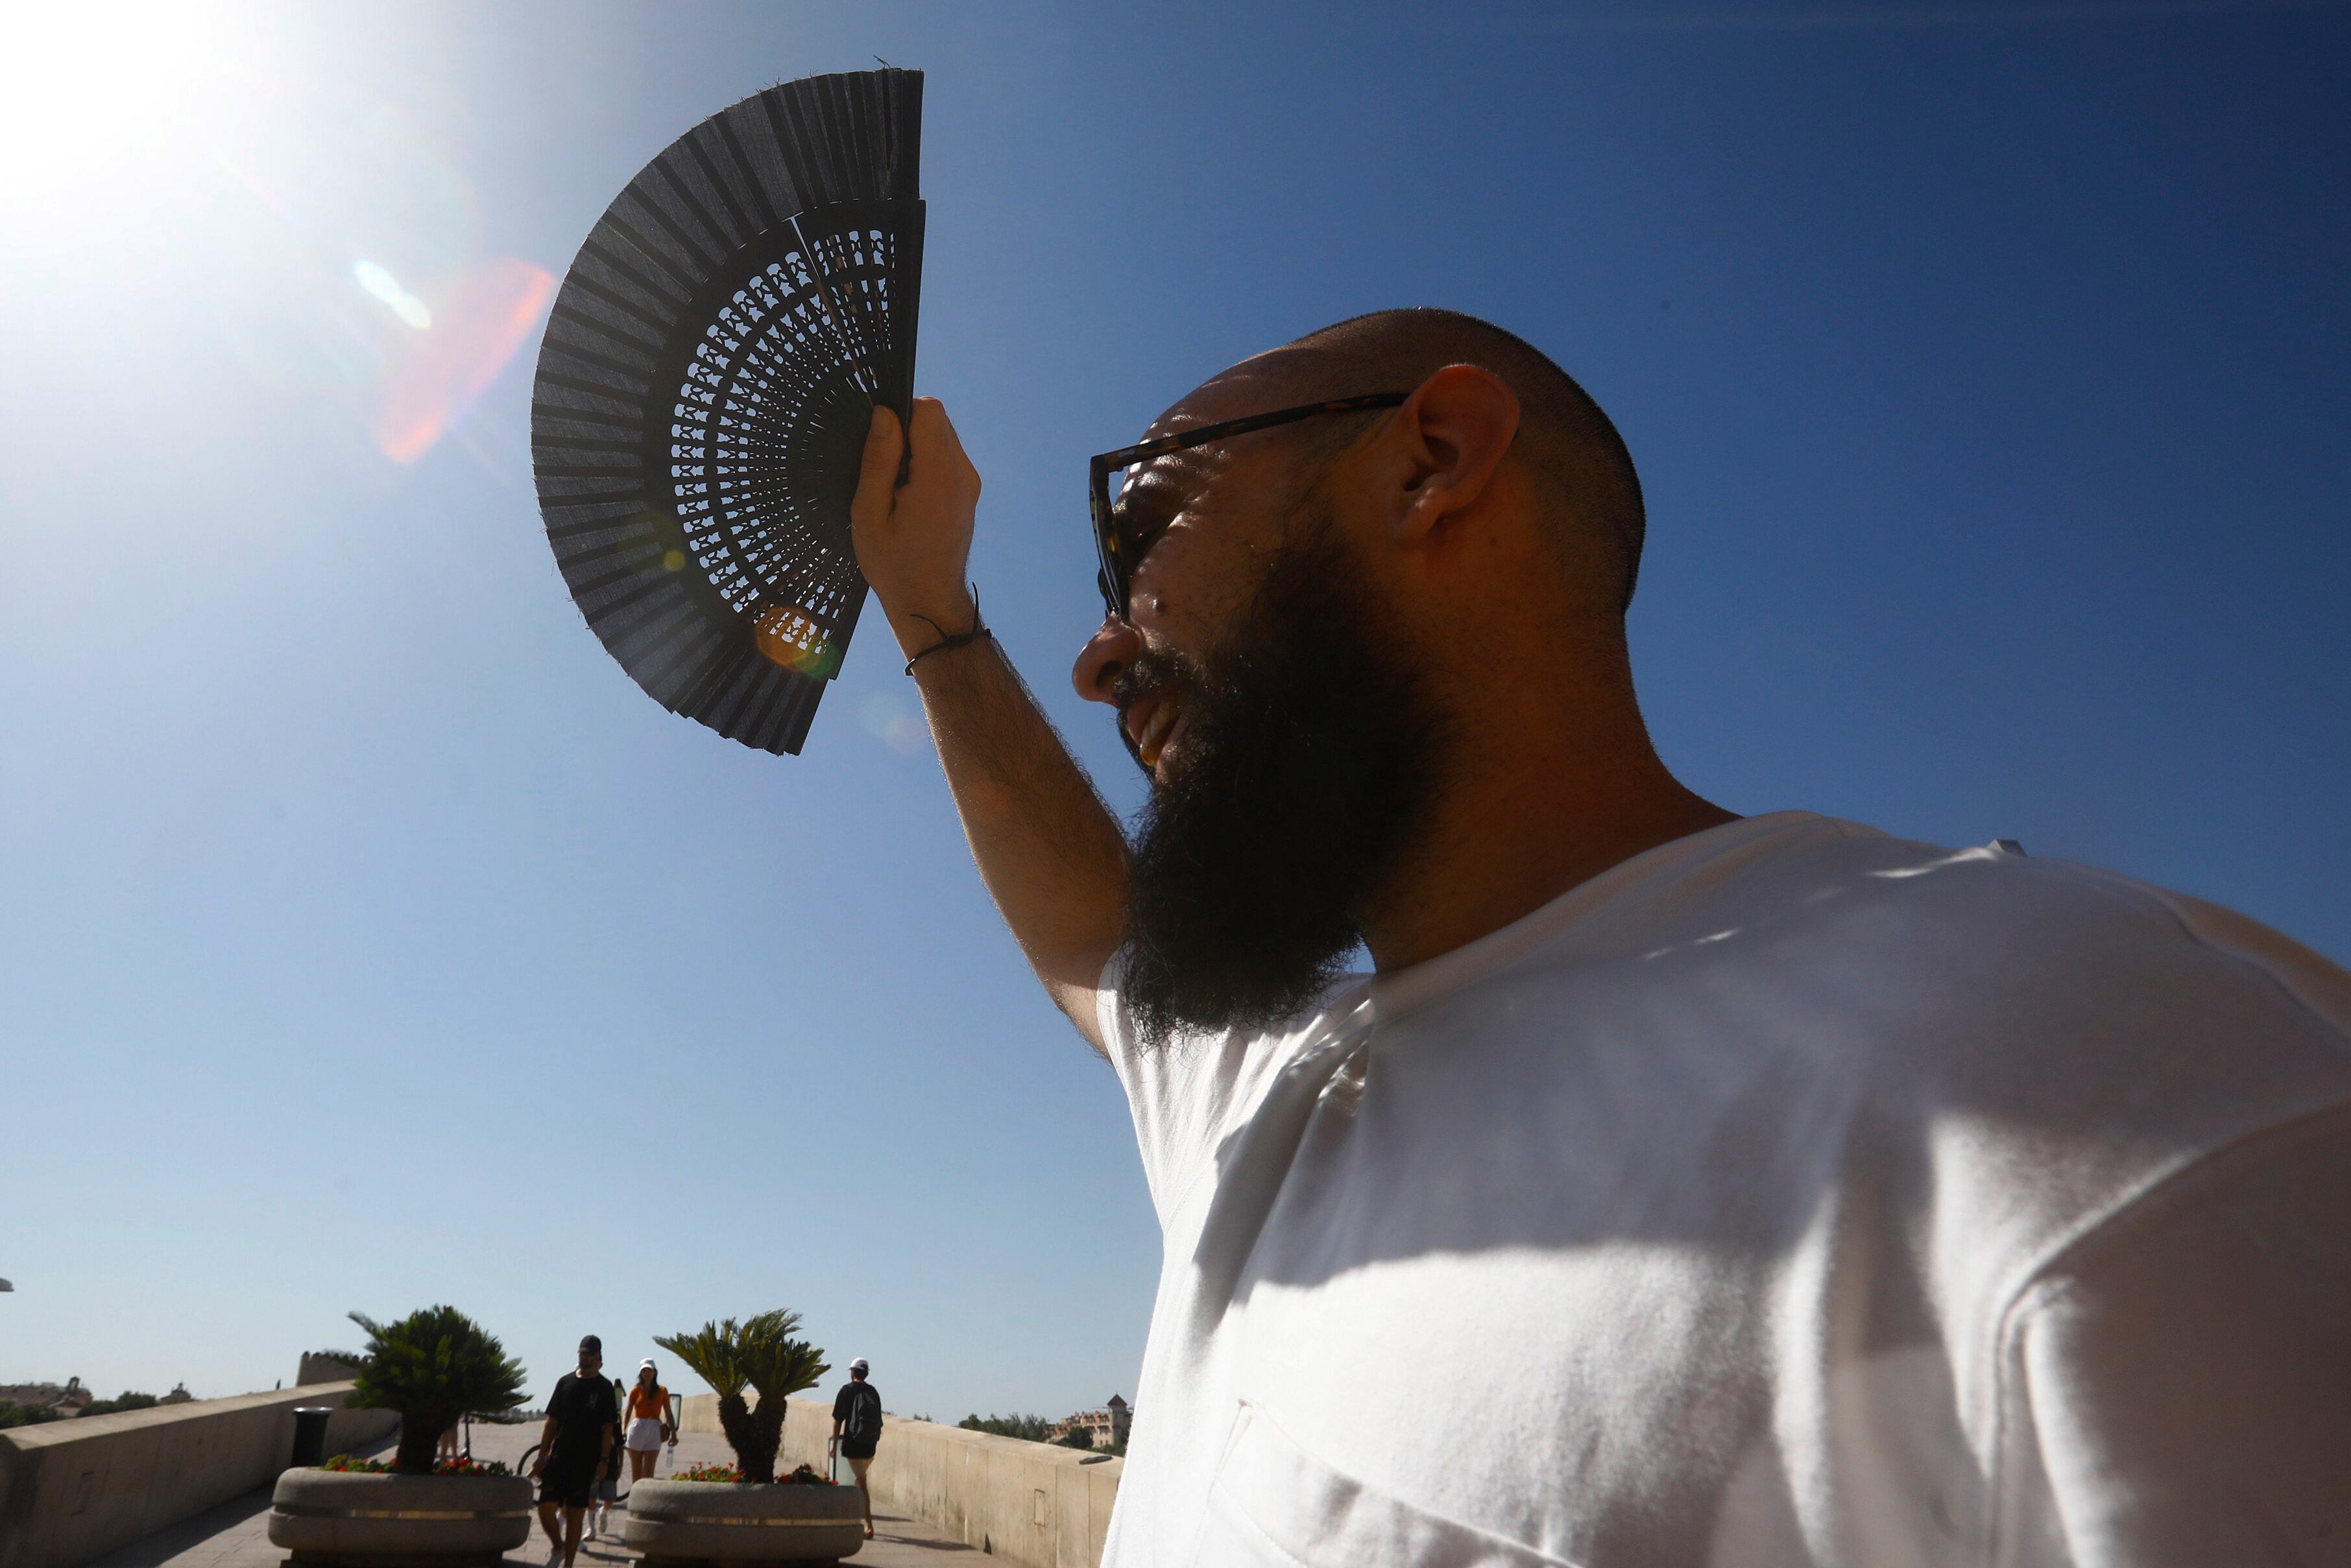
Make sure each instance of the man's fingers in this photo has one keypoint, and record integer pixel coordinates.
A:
(930, 424)
(877, 473)
(938, 451)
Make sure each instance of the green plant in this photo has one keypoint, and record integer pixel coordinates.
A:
(805, 1476)
(759, 1354)
(727, 1475)
(1031, 1427)
(346, 1465)
(27, 1415)
(433, 1366)
(1076, 1438)
(127, 1400)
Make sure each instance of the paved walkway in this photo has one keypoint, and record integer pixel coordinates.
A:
(236, 1534)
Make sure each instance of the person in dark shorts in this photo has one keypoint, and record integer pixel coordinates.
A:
(856, 1427)
(582, 1421)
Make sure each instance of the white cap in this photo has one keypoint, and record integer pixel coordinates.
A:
(859, 1365)
(647, 1364)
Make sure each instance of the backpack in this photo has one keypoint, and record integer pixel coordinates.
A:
(864, 1421)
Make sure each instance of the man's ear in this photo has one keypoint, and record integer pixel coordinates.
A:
(1456, 427)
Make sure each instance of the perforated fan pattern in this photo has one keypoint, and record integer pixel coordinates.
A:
(709, 371)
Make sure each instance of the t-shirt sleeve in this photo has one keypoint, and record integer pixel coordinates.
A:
(840, 1403)
(1181, 1093)
(1189, 1094)
(2180, 1387)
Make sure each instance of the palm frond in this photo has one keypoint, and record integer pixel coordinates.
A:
(711, 1354)
(760, 1352)
(436, 1360)
(775, 1362)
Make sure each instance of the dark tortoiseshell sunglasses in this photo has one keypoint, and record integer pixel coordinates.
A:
(1121, 545)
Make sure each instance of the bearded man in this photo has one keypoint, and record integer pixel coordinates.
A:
(1679, 1188)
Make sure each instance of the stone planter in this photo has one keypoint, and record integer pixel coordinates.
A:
(340, 1520)
(679, 1523)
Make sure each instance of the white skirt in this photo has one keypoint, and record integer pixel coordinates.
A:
(644, 1433)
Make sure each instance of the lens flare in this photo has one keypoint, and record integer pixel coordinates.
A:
(889, 720)
(436, 372)
(379, 282)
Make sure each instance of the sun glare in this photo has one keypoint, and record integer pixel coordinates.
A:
(324, 239)
(85, 89)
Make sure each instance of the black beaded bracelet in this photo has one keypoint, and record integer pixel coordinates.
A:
(978, 633)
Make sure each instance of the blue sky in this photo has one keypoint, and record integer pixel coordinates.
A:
(369, 940)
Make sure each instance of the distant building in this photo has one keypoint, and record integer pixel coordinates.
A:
(72, 1396)
(1106, 1425)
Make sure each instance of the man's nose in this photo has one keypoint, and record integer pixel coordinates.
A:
(1103, 659)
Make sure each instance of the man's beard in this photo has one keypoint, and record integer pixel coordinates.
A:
(1309, 760)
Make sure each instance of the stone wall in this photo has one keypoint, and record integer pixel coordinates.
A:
(317, 1367)
(1030, 1503)
(71, 1490)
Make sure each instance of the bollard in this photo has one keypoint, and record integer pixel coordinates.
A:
(310, 1434)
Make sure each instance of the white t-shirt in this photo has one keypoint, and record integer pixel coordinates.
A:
(1787, 1195)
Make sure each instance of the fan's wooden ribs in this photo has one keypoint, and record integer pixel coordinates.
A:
(708, 374)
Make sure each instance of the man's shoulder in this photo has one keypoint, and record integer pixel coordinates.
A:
(2004, 1013)
(2004, 1010)
(1847, 904)
(2021, 925)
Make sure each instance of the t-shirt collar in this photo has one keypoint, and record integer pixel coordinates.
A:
(1393, 995)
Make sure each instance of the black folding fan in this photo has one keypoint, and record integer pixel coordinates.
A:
(704, 388)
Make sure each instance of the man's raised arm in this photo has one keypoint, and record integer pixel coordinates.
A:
(1048, 849)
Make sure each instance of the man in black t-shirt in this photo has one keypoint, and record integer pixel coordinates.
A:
(582, 1431)
(856, 1428)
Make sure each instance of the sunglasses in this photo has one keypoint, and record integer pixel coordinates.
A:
(1121, 542)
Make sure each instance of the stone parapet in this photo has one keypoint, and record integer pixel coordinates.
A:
(1031, 1503)
(75, 1490)
(320, 1368)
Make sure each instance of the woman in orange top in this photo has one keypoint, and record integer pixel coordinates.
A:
(649, 1423)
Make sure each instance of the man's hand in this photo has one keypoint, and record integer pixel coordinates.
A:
(914, 543)
(538, 1465)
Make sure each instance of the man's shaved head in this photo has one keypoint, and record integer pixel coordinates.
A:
(1564, 439)
(1337, 626)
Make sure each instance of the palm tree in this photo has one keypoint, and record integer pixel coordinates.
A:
(433, 1366)
(761, 1353)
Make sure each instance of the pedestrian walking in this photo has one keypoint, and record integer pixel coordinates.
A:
(649, 1421)
(856, 1428)
(582, 1423)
